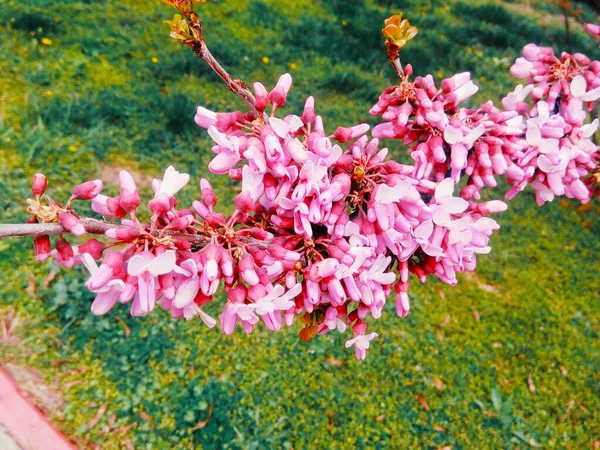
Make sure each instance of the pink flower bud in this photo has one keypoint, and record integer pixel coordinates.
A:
(39, 185)
(208, 195)
(323, 269)
(345, 134)
(210, 257)
(205, 117)
(126, 234)
(261, 100)
(160, 205)
(402, 300)
(87, 190)
(65, 251)
(308, 116)
(491, 207)
(247, 269)
(181, 223)
(93, 247)
(107, 206)
(243, 202)
(42, 247)
(71, 223)
(129, 199)
(278, 95)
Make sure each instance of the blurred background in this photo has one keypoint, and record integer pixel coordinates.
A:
(507, 359)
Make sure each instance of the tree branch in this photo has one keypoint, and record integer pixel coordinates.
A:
(99, 227)
(92, 226)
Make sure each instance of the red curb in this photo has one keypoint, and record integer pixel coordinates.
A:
(25, 423)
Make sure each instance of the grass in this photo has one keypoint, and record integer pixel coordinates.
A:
(508, 359)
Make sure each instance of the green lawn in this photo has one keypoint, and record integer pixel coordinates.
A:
(508, 359)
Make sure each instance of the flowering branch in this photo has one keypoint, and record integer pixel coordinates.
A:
(326, 227)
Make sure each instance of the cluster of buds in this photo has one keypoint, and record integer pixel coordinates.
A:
(326, 227)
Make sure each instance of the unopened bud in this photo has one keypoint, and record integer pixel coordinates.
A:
(39, 185)
(88, 190)
(71, 223)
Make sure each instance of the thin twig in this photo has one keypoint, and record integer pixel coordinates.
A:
(198, 46)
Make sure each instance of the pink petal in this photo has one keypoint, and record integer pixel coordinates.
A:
(455, 205)
(445, 188)
(162, 264)
(104, 302)
(578, 86)
(223, 162)
(186, 292)
(452, 135)
(424, 230)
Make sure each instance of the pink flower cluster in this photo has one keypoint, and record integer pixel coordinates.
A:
(355, 218)
(546, 143)
(326, 226)
(557, 153)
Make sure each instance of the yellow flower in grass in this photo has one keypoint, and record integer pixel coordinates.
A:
(398, 32)
(154, 59)
(46, 41)
(266, 60)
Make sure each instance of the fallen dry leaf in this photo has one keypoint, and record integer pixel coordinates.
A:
(564, 371)
(442, 295)
(530, 384)
(31, 285)
(99, 414)
(447, 447)
(331, 422)
(476, 316)
(200, 425)
(335, 361)
(126, 329)
(146, 418)
(439, 428)
(70, 384)
(439, 334)
(203, 423)
(438, 383)
(380, 418)
(423, 402)
(446, 320)
(50, 278)
(585, 208)
(128, 444)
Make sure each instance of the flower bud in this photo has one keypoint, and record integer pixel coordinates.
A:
(243, 202)
(71, 223)
(39, 185)
(87, 190)
(278, 95)
(129, 199)
(208, 195)
(42, 247)
(260, 103)
(122, 233)
(93, 247)
(65, 251)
